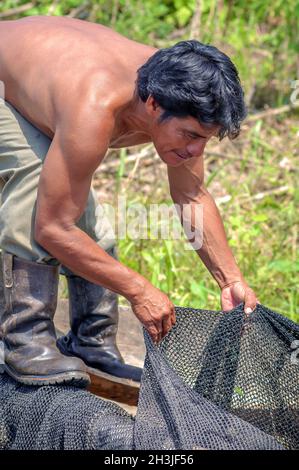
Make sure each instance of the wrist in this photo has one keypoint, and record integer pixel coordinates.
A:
(231, 283)
(136, 287)
(226, 279)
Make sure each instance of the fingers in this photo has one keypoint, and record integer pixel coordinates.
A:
(155, 334)
(156, 312)
(169, 321)
(155, 331)
(250, 301)
(164, 326)
(173, 317)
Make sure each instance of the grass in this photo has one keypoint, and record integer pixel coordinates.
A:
(259, 171)
(261, 220)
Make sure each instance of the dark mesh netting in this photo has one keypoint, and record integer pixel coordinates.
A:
(217, 381)
(60, 417)
(221, 381)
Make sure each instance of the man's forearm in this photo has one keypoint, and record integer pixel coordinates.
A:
(215, 251)
(78, 252)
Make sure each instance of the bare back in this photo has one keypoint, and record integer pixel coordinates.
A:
(51, 65)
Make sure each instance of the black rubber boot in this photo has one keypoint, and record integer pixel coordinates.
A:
(28, 333)
(94, 322)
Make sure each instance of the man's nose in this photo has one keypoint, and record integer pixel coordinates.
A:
(196, 148)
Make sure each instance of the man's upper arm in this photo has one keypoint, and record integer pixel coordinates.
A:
(65, 180)
(186, 182)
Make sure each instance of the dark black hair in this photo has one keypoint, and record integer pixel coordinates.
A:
(198, 80)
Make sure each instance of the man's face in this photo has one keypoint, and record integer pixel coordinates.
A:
(179, 139)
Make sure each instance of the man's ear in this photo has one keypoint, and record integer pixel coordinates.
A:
(152, 107)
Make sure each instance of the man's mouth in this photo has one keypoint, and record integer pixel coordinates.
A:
(184, 157)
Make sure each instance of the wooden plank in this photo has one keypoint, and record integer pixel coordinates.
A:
(113, 388)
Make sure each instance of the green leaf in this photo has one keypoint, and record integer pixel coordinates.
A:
(239, 391)
(183, 15)
(259, 217)
(284, 266)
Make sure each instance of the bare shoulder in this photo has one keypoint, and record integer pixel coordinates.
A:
(85, 128)
(88, 113)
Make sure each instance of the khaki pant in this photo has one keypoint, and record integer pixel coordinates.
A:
(23, 149)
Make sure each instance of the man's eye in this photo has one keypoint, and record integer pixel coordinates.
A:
(191, 136)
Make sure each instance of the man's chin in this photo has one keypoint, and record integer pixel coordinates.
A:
(172, 160)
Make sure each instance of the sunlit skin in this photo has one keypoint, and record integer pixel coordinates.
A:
(179, 139)
(176, 139)
(76, 82)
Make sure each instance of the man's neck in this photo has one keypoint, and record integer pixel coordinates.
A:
(133, 118)
(132, 126)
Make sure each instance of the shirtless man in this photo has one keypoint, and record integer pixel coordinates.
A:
(74, 89)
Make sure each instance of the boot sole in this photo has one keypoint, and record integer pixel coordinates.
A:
(76, 379)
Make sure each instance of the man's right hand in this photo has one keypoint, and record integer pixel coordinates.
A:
(154, 310)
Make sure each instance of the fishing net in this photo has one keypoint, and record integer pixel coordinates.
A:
(217, 381)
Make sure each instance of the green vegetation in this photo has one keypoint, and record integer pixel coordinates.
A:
(259, 171)
(261, 219)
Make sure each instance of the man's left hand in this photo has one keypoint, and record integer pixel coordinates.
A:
(238, 292)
